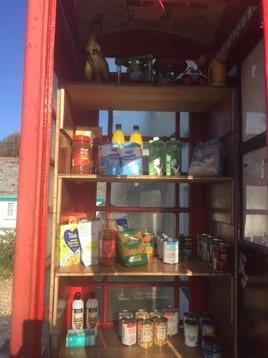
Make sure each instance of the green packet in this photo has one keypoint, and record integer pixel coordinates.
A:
(134, 260)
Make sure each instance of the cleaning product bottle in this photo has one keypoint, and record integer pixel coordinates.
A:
(136, 137)
(118, 135)
(77, 312)
(92, 308)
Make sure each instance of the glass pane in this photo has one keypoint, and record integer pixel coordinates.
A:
(184, 301)
(151, 123)
(101, 194)
(253, 93)
(184, 223)
(255, 194)
(143, 194)
(103, 122)
(184, 124)
(185, 157)
(133, 298)
(154, 222)
(184, 195)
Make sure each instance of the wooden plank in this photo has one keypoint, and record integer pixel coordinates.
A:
(145, 97)
(155, 267)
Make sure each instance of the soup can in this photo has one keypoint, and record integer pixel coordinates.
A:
(172, 315)
(121, 315)
(212, 347)
(129, 331)
(145, 333)
(171, 251)
(160, 326)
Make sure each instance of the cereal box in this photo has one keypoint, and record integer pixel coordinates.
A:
(69, 248)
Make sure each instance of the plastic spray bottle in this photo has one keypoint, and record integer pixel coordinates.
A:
(92, 308)
(77, 312)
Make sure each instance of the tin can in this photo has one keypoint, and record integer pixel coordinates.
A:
(172, 315)
(208, 328)
(190, 316)
(171, 251)
(148, 243)
(121, 315)
(160, 245)
(188, 247)
(155, 314)
(190, 333)
(129, 331)
(142, 314)
(212, 347)
(223, 257)
(145, 333)
(160, 331)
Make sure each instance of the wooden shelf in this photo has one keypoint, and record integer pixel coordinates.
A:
(155, 267)
(144, 97)
(108, 345)
(144, 178)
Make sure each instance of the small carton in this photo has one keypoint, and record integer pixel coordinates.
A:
(131, 159)
(156, 156)
(69, 247)
(173, 157)
(109, 163)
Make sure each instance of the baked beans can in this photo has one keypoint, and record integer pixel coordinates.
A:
(155, 314)
(171, 251)
(121, 315)
(160, 331)
(145, 333)
(172, 315)
(129, 331)
(223, 257)
(142, 314)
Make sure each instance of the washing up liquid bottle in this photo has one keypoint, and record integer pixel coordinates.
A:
(118, 135)
(136, 137)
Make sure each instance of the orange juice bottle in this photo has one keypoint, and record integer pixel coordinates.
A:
(118, 135)
(136, 137)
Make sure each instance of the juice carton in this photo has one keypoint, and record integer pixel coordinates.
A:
(156, 156)
(173, 157)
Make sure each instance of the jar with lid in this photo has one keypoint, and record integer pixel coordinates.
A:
(107, 247)
(81, 155)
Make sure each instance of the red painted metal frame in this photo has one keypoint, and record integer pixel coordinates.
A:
(265, 33)
(30, 250)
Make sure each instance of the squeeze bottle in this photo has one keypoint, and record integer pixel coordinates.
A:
(135, 136)
(77, 312)
(118, 135)
(92, 308)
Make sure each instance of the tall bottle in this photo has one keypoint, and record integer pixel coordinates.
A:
(77, 312)
(118, 135)
(92, 308)
(136, 137)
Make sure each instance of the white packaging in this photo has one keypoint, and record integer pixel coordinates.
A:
(88, 233)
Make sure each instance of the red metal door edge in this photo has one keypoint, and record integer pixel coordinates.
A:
(31, 230)
(265, 32)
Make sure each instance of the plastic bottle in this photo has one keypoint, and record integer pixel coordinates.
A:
(136, 137)
(92, 307)
(77, 312)
(118, 135)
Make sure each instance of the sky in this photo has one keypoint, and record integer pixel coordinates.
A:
(12, 40)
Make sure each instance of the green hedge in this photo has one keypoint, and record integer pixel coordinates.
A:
(7, 243)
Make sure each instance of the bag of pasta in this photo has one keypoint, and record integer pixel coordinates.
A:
(130, 248)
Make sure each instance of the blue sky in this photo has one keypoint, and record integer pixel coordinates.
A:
(12, 39)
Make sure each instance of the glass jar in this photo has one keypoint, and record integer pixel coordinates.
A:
(107, 247)
(81, 155)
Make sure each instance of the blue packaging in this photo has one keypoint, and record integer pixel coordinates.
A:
(131, 159)
(109, 159)
(80, 338)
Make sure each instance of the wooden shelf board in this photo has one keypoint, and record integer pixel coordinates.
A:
(108, 344)
(144, 178)
(144, 97)
(155, 267)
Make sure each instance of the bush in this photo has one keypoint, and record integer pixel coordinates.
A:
(7, 243)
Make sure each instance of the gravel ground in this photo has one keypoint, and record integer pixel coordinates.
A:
(5, 312)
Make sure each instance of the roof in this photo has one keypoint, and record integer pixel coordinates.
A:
(9, 176)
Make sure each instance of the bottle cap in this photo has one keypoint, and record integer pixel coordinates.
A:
(92, 294)
(77, 296)
(136, 127)
(118, 126)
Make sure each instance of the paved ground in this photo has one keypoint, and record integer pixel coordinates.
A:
(4, 335)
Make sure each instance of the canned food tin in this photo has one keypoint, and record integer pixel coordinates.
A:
(156, 314)
(172, 314)
(160, 245)
(129, 331)
(213, 251)
(223, 257)
(212, 347)
(188, 247)
(145, 333)
(142, 314)
(190, 317)
(171, 251)
(160, 331)
(121, 315)
(208, 328)
(148, 243)
(190, 333)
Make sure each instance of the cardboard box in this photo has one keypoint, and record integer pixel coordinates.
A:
(69, 246)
